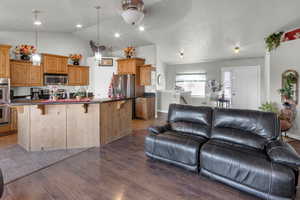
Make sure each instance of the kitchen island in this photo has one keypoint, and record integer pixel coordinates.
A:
(68, 124)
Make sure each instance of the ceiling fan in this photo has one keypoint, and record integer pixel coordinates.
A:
(133, 11)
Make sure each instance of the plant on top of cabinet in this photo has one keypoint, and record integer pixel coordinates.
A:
(25, 51)
(75, 58)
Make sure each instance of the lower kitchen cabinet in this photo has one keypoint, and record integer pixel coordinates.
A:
(115, 120)
(82, 131)
(145, 108)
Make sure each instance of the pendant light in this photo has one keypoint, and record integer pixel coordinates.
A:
(98, 55)
(36, 57)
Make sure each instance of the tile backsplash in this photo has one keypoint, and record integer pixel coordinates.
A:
(24, 91)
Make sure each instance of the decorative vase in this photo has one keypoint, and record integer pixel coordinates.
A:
(128, 56)
(76, 62)
(25, 57)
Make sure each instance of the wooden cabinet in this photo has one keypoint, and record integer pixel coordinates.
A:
(4, 61)
(145, 108)
(13, 119)
(23, 73)
(83, 128)
(132, 66)
(35, 76)
(115, 120)
(145, 74)
(78, 75)
(55, 64)
(12, 127)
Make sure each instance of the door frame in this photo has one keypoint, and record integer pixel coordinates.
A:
(257, 67)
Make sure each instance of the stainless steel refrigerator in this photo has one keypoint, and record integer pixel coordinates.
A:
(124, 86)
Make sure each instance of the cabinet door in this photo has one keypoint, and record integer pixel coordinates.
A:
(48, 132)
(83, 128)
(84, 76)
(145, 76)
(19, 73)
(62, 65)
(51, 64)
(14, 119)
(35, 77)
(72, 75)
(4, 63)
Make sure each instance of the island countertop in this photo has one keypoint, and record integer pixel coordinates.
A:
(24, 102)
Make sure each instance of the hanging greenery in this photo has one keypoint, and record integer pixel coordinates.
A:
(273, 41)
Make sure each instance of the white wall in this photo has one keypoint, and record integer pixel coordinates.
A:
(100, 77)
(213, 70)
(53, 43)
(284, 58)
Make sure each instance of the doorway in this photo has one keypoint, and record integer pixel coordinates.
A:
(242, 86)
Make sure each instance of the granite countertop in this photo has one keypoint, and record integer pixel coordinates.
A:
(24, 102)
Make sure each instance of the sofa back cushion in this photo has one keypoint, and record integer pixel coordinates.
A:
(190, 119)
(245, 127)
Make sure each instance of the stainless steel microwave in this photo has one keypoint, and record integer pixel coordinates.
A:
(55, 79)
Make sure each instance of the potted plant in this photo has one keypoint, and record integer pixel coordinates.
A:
(79, 95)
(269, 107)
(129, 52)
(25, 51)
(75, 58)
(274, 40)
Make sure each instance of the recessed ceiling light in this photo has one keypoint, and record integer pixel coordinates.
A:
(37, 23)
(117, 35)
(237, 50)
(142, 28)
(79, 26)
(181, 54)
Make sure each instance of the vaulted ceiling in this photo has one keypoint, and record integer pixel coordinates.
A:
(204, 29)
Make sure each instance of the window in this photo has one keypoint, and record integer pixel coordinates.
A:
(193, 82)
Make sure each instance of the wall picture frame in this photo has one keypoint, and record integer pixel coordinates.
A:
(106, 62)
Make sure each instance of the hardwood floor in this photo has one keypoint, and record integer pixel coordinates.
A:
(120, 171)
(8, 140)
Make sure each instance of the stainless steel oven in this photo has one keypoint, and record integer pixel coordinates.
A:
(55, 79)
(4, 114)
(4, 91)
(4, 101)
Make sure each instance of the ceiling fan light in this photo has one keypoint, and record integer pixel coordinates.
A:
(133, 16)
(36, 59)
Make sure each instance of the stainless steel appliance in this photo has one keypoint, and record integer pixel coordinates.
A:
(55, 79)
(4, 101)
(123, 86)
(4, 91)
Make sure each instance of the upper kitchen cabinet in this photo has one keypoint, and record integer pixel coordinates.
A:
(78, 75)
(23, 74)
(145, 74)
(130, 66)
(4, 61)
(55, 64)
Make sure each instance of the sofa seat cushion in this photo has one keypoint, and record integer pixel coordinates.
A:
(175, 146)
(247, 166)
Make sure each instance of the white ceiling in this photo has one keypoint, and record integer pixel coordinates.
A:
(204, 29)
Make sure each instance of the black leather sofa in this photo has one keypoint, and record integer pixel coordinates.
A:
(240, 148)
(1, 184)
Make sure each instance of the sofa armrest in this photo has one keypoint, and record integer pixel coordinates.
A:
(283, 153)
(159, 129)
